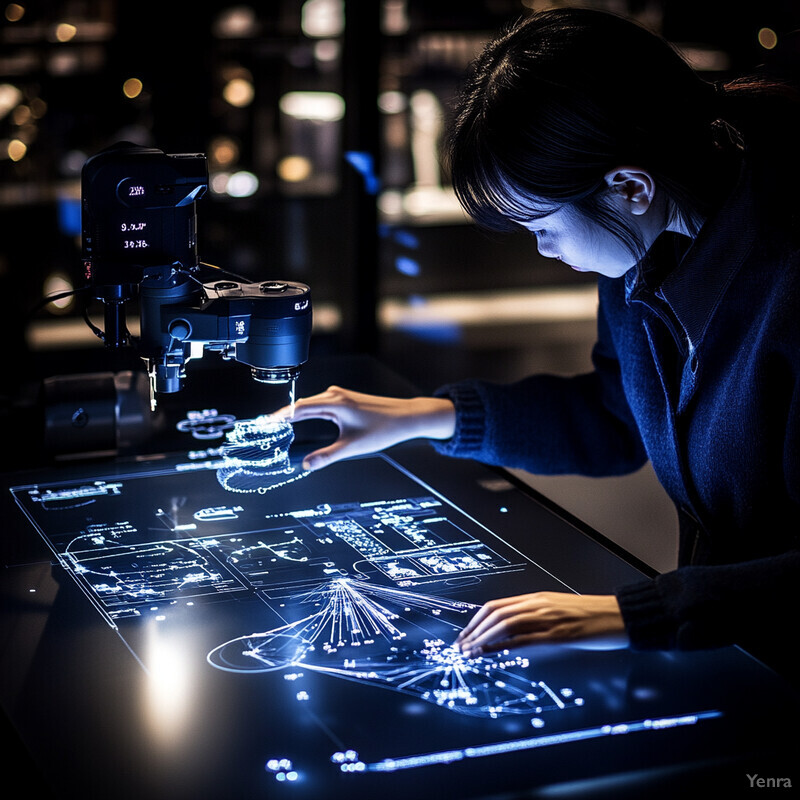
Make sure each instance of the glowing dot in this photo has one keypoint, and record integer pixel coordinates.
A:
(239, 92)
(326, 50)
(392, 102)
(767, 38)
(320, 18)
(293, 169)
(132, 88)
(14, 12)
(242, 184)
(314, 106)
(224, 151)
(407, 266)
(236, 22)
(16, 150)
(21, 115)
(38, 107)
(65, 32)
(219, 182)
(10, 96)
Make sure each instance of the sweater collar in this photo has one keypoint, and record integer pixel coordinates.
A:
(694, 286)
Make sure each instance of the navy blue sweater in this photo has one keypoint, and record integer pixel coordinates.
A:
(696, 368)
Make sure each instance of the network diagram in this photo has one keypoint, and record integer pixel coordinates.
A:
(362, 584)
(361, 574)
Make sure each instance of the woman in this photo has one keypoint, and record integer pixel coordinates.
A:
(594, 135)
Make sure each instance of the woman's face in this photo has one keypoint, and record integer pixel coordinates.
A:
(583, 244)
(580, 243)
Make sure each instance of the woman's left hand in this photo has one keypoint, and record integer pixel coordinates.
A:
(540, 618)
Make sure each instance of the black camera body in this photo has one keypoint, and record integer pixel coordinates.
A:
(139, 242)
(138, 210)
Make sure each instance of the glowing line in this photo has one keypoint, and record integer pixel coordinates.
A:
(557, 700)
(479, 751)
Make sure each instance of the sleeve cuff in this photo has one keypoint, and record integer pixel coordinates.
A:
(648, 622)
(470, 430)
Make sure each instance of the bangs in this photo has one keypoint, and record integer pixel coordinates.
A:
(496, 201)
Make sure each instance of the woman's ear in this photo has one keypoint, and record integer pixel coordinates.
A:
(633, 187)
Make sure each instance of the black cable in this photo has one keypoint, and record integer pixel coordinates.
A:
(100, 334)
(226, 272)
(51, 298)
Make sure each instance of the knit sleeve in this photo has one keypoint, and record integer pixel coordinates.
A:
(751, 604)
(550, 424)
(468, 439)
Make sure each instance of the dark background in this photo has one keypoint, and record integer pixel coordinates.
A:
(63, 101)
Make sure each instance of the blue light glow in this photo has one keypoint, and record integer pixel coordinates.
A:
(481, 751)
(401, 634)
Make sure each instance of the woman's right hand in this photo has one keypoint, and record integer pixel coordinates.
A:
(368, 423)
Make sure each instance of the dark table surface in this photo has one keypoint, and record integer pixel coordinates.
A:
(165, 638)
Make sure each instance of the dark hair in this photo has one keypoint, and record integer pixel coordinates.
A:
(563, 96)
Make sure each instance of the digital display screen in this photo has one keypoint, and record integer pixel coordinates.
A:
(290, 634)
(138, 211)
(134, 229)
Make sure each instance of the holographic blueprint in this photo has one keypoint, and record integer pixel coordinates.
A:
(354, 580)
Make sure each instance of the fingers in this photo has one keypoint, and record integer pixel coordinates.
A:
(510, 643)
(318, 406)
(327, 455)
(496, 624)
(366, 423)
(540, 617)
(478, 622)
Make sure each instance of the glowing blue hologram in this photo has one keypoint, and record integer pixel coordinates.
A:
(124, 577)
(74, 496)
(206, 424)
(255, 456)
(218, 513)
(383, 635)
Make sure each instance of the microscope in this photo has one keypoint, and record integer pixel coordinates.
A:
(139, 242)
(139, 245)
